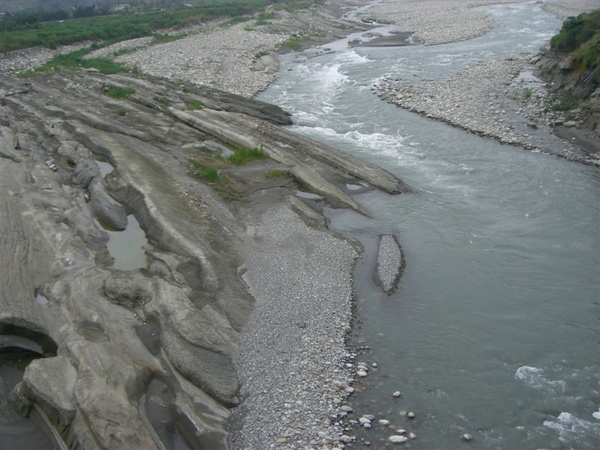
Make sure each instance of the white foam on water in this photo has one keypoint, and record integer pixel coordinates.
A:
(534, 377)
(596, 414)
(329, 78)
(571, 428)
(351, 57)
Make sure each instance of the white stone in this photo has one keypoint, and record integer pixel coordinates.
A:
(396, 439)
(397, 394)
(361, 373)
(384, 422)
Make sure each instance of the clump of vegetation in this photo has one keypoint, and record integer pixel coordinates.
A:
(528, 92)
(55, 28)
(76, 61)
(122, 111)
(296, 41)
(193, 105)
(564, 102)
(244, 155)
(234, 21)
(277, 173)
(162, 101)
(260, 54)
(160, 38)
(580, 36)
(204, 171)
(119, 92)
(264, 17)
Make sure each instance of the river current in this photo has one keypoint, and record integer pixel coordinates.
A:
(494, 329)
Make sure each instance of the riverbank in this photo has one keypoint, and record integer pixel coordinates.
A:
(502, 99)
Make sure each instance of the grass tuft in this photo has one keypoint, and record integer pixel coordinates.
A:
(243, 155)
(119, 92)
(194, 105)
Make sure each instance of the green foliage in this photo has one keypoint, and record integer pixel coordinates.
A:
(564, 102)
(121, 111)
(75, 61)
(30, 31)
(193, 105)
(296, 41)
(119, 92)
(528, 92)
(244, 155)
(260, 54)
(162, 101)
(581, 37)
(234, 21)
(264, 17)
(160, 38)
(205, 172)
(277, 173)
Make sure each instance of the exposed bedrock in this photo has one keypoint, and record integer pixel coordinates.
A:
(125, 342)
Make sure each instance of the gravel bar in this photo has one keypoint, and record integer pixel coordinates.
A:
(292, 354)
(390, 263)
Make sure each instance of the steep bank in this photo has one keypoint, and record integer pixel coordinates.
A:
(127, 342)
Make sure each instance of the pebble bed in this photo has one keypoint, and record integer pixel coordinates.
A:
(223, 59)
(490, 99)
(294, 366)
(437, 21)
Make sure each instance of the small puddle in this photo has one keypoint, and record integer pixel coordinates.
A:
(126, 247)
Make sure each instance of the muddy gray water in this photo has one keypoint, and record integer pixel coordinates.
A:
(494, 328)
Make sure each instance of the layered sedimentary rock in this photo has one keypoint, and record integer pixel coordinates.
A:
(128, 351)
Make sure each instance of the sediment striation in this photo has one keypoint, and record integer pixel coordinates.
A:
(125, 342)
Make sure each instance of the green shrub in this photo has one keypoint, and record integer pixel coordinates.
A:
(121, 111)
(581, 36)
(193, 105)
(205, 172)
(564, 103)
(243, 155)
(162, 101)
(119, 92)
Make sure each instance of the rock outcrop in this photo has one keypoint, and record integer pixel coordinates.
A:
(168, 330)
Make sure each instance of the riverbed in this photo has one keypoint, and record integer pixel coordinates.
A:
(493, 330)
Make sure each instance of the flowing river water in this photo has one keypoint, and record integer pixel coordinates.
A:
(494, 329)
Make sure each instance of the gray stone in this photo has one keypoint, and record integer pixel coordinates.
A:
(84, 172)
(109, 213)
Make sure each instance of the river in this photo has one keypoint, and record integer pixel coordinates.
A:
(494, 330)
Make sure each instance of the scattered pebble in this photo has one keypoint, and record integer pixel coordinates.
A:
(397, 439)
(467, 437)
(411, 415)
(384, 422)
